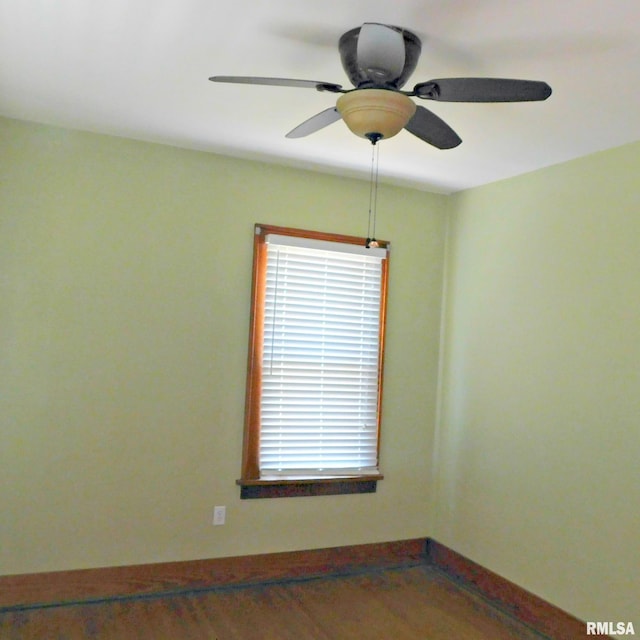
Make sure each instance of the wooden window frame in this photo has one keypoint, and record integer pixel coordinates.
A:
(251, 484)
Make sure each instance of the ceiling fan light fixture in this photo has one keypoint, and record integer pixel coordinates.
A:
(378, 60)
(375, 111)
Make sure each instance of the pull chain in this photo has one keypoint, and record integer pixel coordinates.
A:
(373, 196)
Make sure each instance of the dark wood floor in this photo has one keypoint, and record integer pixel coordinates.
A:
(415, 603)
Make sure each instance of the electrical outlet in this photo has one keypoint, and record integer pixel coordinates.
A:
(219, 515)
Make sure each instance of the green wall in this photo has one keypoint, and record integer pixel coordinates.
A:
(124, 299)
(538, 454)
(124, 314)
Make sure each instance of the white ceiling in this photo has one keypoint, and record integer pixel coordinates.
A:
(140, 68)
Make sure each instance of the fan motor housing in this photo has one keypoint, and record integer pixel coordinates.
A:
(348, 47)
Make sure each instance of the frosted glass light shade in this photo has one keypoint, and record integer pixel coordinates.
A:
(375, 111)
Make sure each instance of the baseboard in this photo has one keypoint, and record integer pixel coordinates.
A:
(58, 588)
(538, 614)
(90, 585)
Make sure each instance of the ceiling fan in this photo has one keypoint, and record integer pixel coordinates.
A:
(378, 60)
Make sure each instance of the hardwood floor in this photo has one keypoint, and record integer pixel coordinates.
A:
(415, 603)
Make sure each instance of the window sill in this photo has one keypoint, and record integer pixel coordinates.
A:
(299, 486)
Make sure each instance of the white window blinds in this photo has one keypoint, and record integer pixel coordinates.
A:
(320, 360)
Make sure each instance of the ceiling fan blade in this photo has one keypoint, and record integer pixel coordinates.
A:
(280, 82)
(429, 127)
(482, 90)
(315, 123)
(380, 52)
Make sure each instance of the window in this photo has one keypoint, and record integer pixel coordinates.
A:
(314, 382)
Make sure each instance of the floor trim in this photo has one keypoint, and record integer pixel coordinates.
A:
(29, 591)
(89, 585)
(521, 604)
